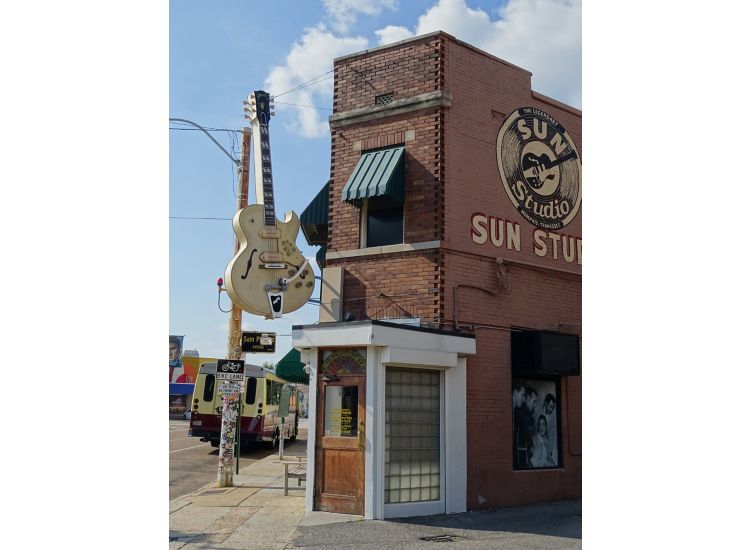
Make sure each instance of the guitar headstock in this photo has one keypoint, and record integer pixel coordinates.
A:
(259, 106)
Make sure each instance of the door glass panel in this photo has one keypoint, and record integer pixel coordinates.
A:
(412, 435)
(341, 411)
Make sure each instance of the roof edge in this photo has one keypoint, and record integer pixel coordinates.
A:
(426, 36)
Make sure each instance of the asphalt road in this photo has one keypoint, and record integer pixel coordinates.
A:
(193, 464)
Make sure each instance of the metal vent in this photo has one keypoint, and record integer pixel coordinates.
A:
(384, 99)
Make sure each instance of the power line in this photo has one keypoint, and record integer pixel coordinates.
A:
(207, 129)
(197, 218)
(307, 106)
(315, 80)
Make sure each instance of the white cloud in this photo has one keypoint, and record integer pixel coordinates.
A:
(543, 36)
(309, 57)
(393, 33)
(343, 13)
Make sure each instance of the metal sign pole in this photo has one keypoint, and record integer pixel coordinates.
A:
(234, 351)
(226, 446)
(231, 374)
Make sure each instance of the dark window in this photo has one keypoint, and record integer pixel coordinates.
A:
(385, 221)
(208, 388)
(272, 392)
(252, 384)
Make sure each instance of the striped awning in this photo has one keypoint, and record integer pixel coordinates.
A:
(291, 368)
(314, 218)
(377, 174)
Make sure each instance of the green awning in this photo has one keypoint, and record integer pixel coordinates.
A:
(291, 368)
(314, 218)
(377, 174)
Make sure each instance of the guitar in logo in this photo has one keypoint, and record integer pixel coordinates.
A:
(540, 168)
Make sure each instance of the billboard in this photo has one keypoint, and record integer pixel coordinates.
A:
(175, 357)
(189, 369)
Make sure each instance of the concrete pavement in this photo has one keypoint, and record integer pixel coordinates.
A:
(255, 514)
(252, 514)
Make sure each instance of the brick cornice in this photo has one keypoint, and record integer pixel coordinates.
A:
(430, 100)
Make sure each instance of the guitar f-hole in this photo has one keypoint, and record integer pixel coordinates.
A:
(249, 264)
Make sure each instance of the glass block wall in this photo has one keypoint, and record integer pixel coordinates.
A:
(412, 435)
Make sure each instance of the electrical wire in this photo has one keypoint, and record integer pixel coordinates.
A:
(316, 80)
(196, 218)
(207, 129)
(306, 106)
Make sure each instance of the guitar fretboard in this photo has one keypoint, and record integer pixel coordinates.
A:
(269, 211)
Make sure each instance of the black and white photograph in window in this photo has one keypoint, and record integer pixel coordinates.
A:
(535, 424)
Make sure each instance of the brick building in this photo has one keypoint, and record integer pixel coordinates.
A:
(447, 354)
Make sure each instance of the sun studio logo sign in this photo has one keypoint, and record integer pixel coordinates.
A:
(540, 168)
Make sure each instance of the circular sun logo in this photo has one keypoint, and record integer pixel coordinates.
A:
(540, 168)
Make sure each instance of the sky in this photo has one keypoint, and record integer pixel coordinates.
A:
(220, 52)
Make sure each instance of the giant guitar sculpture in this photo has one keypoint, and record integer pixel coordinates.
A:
(268, 275)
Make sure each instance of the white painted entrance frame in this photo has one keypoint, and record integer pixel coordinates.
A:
(396, 345)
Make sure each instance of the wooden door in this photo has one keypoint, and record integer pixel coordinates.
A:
(340, 445)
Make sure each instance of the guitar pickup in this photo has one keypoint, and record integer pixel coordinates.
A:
(271, 257)
(273, 266)
(267, 232)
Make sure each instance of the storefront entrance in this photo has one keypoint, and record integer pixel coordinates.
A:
(340, 429)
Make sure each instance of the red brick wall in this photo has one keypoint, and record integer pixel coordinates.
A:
(421, 206)
(391, 285)
(406, 71)
(394, 285)
(536, 298)
(451, 173)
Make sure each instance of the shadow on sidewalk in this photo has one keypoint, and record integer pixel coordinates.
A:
(557, 519)
(552, 525)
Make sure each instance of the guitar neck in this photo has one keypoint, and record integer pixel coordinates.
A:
(563, 158)
(269, 210)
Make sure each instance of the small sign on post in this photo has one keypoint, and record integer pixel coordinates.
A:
(232, 374)
(229, 389)
(259, 342)
(230, 369)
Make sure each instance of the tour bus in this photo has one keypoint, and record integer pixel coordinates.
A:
(269, 407)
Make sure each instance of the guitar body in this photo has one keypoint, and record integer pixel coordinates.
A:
(266, 255)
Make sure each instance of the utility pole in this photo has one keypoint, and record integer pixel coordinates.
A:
(230, 420)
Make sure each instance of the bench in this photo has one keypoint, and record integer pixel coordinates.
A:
(298, 471)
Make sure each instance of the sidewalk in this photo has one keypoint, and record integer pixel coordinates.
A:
(252, 514)
(255, 514)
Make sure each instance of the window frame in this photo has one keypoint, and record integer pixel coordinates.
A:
(428, 507)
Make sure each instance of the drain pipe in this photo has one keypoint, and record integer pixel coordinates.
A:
(502, 283)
